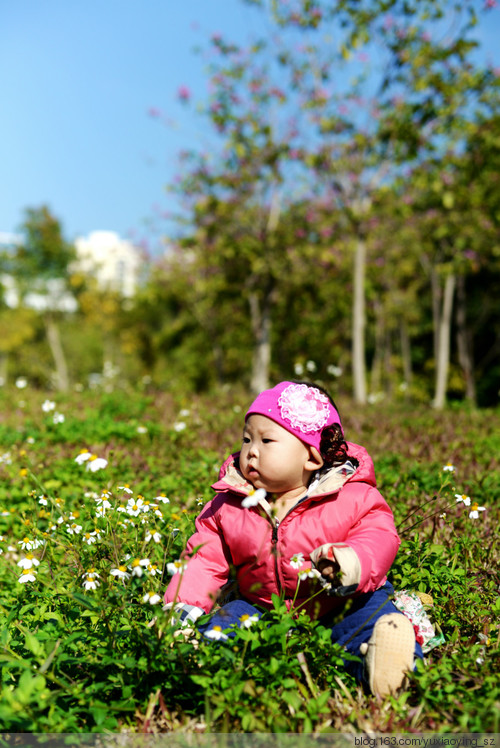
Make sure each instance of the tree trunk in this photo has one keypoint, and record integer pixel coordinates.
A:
(388, 365)
(4, 368)
(260, 314)
(405, 352)
(358, 324)
(378, 356)
(436, 311)
(464, 343)
(54, 340)
(443, 359)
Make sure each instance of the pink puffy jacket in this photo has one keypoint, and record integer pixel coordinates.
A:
(343, 512)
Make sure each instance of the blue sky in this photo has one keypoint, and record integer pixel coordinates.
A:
(77, 80)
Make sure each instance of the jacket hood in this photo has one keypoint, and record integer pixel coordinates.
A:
(358, 468)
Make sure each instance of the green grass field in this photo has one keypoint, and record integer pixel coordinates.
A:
(84, 555)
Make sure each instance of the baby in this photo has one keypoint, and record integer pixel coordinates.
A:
(296, 498)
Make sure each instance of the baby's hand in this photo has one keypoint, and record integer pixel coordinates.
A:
(329, 570)
(324, 560)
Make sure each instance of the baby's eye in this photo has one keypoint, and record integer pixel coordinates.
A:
(246, 440)
(267, 441)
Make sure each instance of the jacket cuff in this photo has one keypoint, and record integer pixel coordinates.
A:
(345, 556)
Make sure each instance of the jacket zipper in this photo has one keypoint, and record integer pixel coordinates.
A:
(274, 541)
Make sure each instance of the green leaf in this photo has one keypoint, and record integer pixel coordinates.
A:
(33, 644)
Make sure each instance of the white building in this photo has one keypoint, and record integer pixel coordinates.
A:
(50, 294)
(115, 263)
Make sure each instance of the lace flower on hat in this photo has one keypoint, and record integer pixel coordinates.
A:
(305, 407)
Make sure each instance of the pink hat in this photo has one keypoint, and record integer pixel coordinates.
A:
(302, 410)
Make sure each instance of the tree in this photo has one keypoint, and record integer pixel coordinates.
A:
(238, 204)
(290, 130)
(40, 265)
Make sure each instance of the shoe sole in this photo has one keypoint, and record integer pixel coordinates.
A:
(390, 653)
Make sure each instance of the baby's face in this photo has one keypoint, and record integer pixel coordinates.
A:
(272, 458)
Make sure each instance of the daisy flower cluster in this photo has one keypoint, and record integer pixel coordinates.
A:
(93, 462)
(297, 562)
(80, 536)
(473, 506)
(49, 407)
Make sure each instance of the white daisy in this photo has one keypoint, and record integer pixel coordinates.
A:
(73, 529)
(253, 498)
(475, 509)
(90, 583)
(247, 620)
(120, 572)
(134, 507)
(216, 633)
(153, 535)
(28, 561)
(163, 499)
(308, 574)
(83, 456)
(176, 567)
(138, 565)
(297, 560)
(95, 463)
(152, 598)
(28, 575)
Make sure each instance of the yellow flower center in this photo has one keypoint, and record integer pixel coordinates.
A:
(122, 568)
(217, 628)
(475, 506)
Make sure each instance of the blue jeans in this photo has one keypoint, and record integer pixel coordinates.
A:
(355, 628)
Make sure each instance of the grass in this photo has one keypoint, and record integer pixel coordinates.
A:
(84, 650)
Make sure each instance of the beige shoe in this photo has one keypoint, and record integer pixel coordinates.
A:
(389, 654)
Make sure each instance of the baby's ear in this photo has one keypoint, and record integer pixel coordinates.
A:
(315, 461)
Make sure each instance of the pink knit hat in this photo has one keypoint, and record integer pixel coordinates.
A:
(302, 410)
